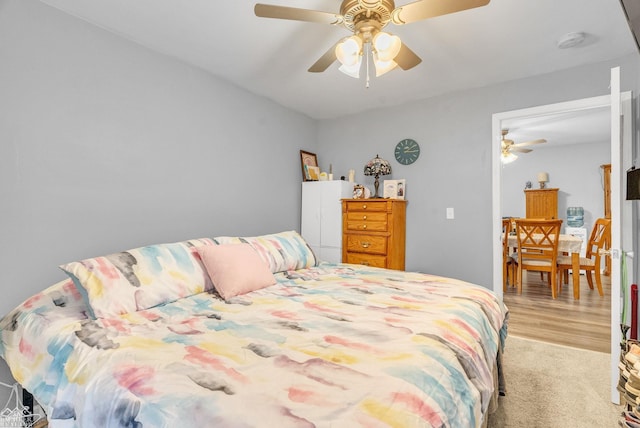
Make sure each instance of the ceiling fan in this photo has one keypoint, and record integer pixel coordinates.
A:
(509, 146)
(366, 19)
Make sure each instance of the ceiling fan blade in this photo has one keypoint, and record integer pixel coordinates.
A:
(283, 12)
(406, 58)
(423, 9)
(325, 60)
(519, 149)
(530, 143)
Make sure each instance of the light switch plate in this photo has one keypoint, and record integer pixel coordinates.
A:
(450, 214)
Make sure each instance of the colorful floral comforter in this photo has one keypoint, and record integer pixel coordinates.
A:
(328, 346)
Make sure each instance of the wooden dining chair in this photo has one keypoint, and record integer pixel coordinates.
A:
(508, 262)
(591, 262)
(538, 249)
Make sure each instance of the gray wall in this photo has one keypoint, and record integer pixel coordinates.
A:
(105, 146)
(454, 169)
(573, 169)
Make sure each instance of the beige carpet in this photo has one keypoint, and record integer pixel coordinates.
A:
(554, 386)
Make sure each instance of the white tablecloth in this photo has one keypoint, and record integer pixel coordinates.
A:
(566, 243)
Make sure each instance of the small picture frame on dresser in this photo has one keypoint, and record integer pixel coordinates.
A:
(394, 189)
(358, 192)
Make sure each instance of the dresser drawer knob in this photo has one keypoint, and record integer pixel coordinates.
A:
(364, 217)
(364, 226)
(365, 244)
(364, 207)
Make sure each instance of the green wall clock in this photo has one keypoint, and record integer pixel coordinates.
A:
(407, 151)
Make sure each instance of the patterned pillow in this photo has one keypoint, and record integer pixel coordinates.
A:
(282, 251)
(140, 278)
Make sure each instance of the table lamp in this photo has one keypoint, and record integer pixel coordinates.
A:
(377, 167)
(543, 177)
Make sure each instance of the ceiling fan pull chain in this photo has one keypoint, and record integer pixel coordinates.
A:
(368, 54)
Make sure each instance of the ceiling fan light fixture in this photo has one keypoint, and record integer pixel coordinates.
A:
(349, 51)
(507, 157)
(351, 70)
(386, 46)
(383, 67)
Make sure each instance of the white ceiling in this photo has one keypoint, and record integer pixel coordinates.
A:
(505, 40)
(585, 126)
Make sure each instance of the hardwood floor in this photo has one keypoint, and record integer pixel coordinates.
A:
(583, 323)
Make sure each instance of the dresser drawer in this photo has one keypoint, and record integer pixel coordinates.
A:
(366, 206)
(365, 215)
(373, 226)
(367, 260)
(367, 244)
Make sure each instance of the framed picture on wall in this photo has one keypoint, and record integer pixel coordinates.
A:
(309, 163)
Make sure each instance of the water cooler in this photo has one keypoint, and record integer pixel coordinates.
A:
(575, 227)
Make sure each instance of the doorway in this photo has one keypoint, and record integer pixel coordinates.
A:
(569, 149)
(620, 161)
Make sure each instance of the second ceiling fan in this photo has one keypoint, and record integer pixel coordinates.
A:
(366, 19)
(509, 146)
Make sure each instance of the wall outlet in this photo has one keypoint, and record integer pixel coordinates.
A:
(450, 214)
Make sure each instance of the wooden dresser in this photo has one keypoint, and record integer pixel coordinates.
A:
(541, 203)
(374, 232)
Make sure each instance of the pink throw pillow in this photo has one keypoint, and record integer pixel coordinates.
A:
(235, 269)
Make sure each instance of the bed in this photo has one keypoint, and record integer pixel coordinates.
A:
(185, 334)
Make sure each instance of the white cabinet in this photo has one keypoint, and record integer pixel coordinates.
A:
(321, 222)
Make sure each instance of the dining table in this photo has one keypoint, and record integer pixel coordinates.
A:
(568, 244)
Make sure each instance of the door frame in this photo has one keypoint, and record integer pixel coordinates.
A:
(623, 165)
